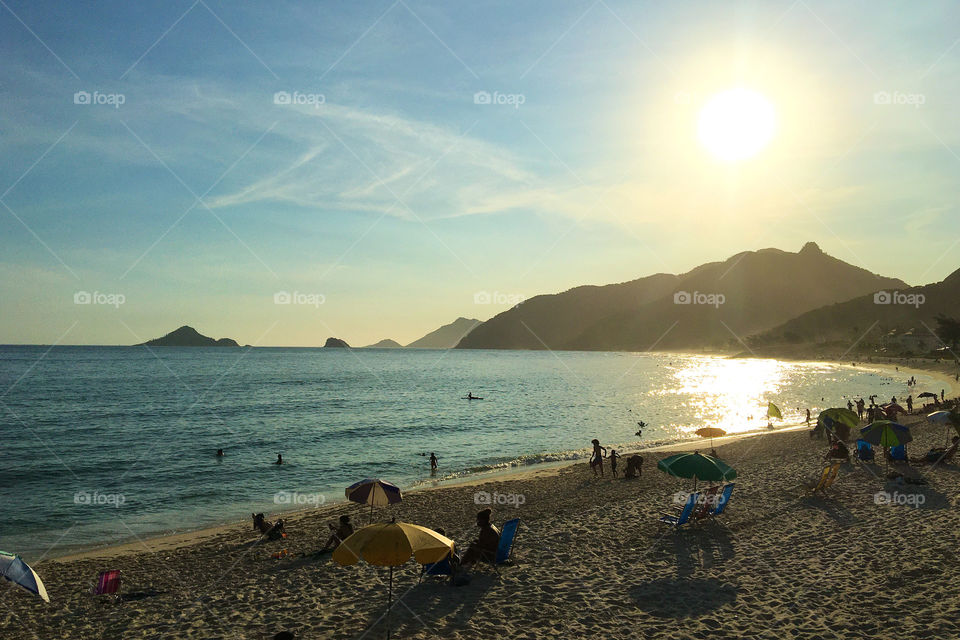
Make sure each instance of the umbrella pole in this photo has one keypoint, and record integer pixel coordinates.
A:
(389, 601)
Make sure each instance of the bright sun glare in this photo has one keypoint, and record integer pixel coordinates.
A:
(736, 124)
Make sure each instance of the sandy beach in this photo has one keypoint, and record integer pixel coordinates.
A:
(591, 559)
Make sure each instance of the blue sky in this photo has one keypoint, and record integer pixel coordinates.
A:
(395, 196)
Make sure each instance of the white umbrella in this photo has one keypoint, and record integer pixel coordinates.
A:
(14, 569)
(940, 417)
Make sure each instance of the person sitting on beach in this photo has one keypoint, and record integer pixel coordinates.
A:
(485, 546)
(634, 466)
(272, 530)
(939, 454)
(596, 458)
(614, 456)
(340, 533)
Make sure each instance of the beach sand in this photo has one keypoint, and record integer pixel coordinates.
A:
(590, 560)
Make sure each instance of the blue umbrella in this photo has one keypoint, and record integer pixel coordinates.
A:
(374, 492)
(14, 569)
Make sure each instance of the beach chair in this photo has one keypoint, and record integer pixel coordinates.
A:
(898, 453)
(724, 499)
(442, 569)
(508, 535)
(864, 451)
(679, 521)
(108, 584)
(706, 504)
(827, 477)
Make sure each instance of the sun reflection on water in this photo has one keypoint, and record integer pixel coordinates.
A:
(730, 394)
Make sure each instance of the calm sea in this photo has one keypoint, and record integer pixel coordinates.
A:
(101, 443)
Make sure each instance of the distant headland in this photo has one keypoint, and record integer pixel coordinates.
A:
(188, 337)
(336, 343)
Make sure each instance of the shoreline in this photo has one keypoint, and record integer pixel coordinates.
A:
(779, 563)
(183, 539)
(186, 538)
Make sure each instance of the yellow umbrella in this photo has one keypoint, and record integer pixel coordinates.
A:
(390, 544)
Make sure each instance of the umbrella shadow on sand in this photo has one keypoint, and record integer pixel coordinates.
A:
(683, 597)
(700, 548)
(421, 607)
(831, 508)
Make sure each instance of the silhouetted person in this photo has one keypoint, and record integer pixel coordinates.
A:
(433, 462)
(279, 459)
(485, 546)
(219, 453)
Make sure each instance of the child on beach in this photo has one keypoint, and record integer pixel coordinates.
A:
(614, 456)
(596, 459)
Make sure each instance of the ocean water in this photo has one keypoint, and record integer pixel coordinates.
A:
(101, 444)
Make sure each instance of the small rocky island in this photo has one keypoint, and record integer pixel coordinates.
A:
(335, 343)
(188, 337)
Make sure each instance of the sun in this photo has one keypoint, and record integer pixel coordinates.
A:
(736, 124)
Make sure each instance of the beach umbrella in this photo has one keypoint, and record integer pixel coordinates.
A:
(391, 544)
(710, 432)
(697, 466)
(947, 418)
(374, 492)
(940, 417)
(892, 409)
(773, 411)
(886, 434)
(830, 419)
(14, 569)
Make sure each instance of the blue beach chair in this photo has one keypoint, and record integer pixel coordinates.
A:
(864, 451)
(899, 453)
(678, 521)
(724, 499)
(508, 534)
(438, 569)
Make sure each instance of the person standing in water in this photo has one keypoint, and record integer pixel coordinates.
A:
(279, 459)
(596, 458)
(808, 417)
(433, 463)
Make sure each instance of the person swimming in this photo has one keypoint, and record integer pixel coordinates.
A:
(279, 459)
(219, 453)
